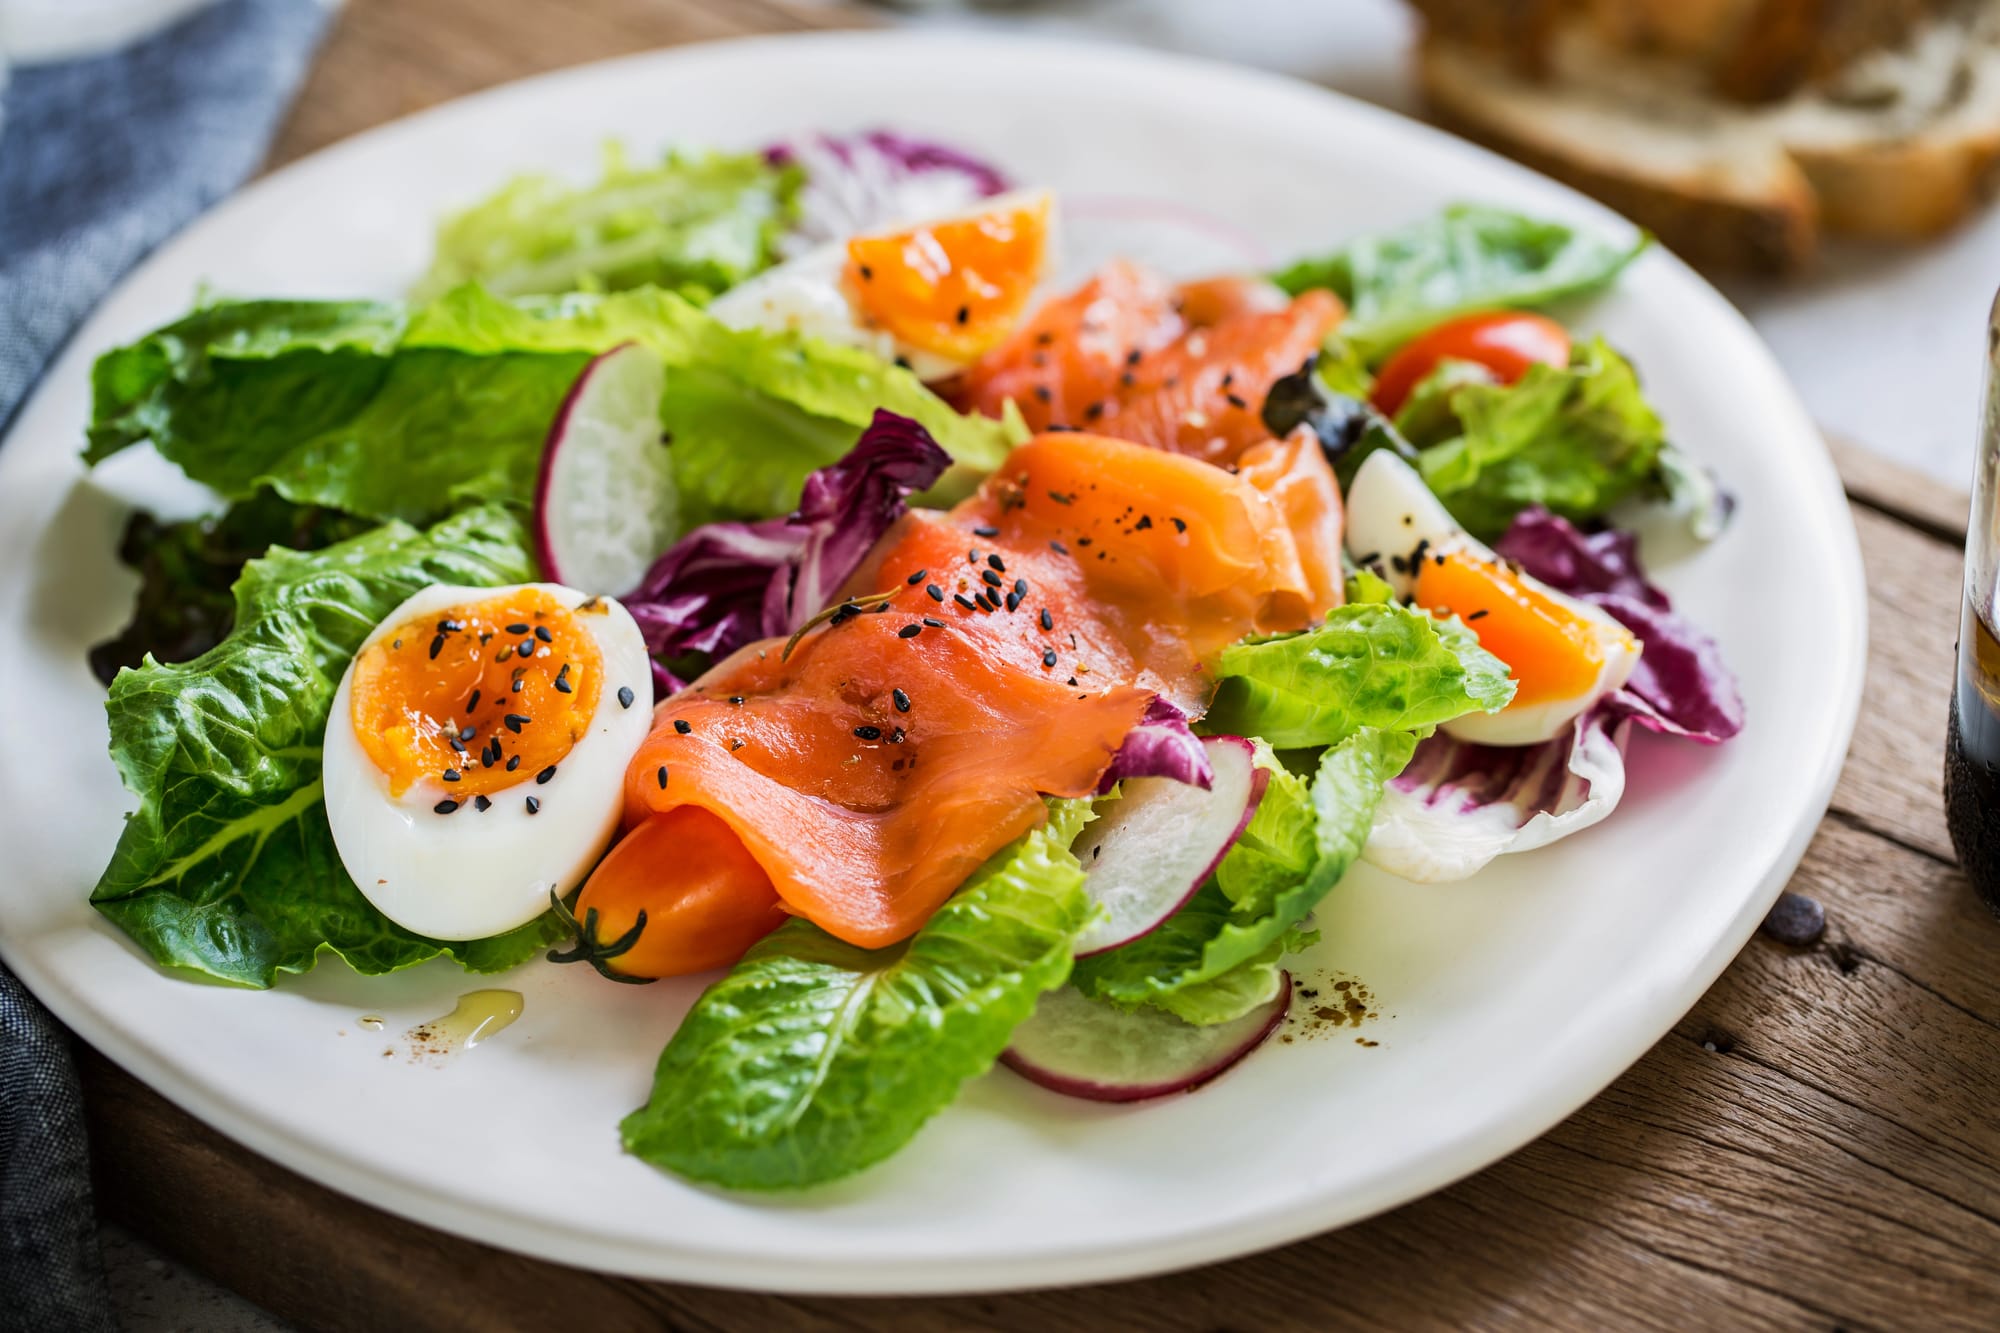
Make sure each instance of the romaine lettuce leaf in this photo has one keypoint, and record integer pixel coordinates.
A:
(186, 569)
(1398, 283)
(813, 1059)
(1249, 926)
(393, 413)
(698, 223)
(1369, 665)
(1575, 440)
(227, 868)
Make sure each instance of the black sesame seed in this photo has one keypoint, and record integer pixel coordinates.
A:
(445, 807)
(1093, 411)
(934, 624)
(936, 593)
(1048, 621)
(542, 633)
(455, 743)
(515, 721)
(437, 646)
(451, 775)
(473, 702)
(1062, 499)
(513, 763)
(1083, 541)
(1049, 657)
(517, 628)
(997, 563)
(542, 777)
(868, 733)
(1132, 357)
(964, 601)
(533, 805)
(1070, 681)
(1235, 400)
(1013, 601)
(660, 775)
(1145, 522)
(625, 696)
(902, 700)
(964, 313)
(1042, 392)
(397, 644)
(481, 804)
(562, 685)
(909, 631)
(1180, 524)
(736, 699)
(985, 532)
(916, 578)
(1476, 615)
(1059, 548)
(681, 725)
(867, 273)
(517, 686)
(1021, 587)
(992, 578)
(467, 733)
(525, 648)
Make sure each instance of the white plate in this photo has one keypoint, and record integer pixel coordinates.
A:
(1507, 1001)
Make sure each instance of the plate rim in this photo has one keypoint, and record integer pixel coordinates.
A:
(1465, 1153)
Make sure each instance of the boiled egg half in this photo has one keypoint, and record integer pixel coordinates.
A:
(934, 296)
(476, 753)
(1564, 654)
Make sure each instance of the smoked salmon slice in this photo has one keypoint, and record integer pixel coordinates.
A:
(1126, 355)
(869, 770)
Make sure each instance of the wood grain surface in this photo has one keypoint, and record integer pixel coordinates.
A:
(1816, 1145)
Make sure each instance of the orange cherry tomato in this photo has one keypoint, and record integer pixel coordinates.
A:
(1506, 342)
(715, 904)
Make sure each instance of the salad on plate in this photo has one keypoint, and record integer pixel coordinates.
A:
(782, 568)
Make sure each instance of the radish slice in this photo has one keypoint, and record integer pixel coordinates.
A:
(1173, 238)
(1161, 840)
(1084, 1048)
(606, 503)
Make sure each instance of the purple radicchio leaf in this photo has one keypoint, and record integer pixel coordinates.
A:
(1680, 686)
(1457, 805)
(864, 182)
(725, 585)
(1161, 746)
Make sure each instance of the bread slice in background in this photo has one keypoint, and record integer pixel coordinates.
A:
(1901, 143)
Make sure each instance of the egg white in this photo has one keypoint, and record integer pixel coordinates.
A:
(1390, 511)
(472, 873)
(810, 295)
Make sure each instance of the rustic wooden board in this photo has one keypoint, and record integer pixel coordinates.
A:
(1815, 1144)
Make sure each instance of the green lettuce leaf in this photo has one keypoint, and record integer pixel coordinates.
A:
(227, 869)
(1370, 665)
(698, 223)
(392, 413)
(1235, 936)
(813, 1059)
(184, 606)
(1398, 283)
(1576, 440)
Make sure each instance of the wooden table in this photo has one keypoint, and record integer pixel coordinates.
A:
(1816, 1145)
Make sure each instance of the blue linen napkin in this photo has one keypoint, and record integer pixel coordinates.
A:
(101, 159)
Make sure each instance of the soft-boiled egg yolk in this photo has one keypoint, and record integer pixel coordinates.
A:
(482, 695)
(954, 287)
(1554, 653)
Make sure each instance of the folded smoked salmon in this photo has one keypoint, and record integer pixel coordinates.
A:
(867, 767)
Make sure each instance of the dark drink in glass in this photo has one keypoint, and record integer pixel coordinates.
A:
(1972, 745)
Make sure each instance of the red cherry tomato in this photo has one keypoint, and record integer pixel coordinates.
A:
(1506, 342)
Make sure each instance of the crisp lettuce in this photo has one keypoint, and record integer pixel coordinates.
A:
(813, 1058)
(1369, 665)
(227, 869)
(394, 413)
(1237, 941)
(1575, 440)
(1398, 283)
(698, 223)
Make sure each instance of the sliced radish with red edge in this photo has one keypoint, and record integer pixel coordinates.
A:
(606, 504)
(1161, 840)
(1084, 1048)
